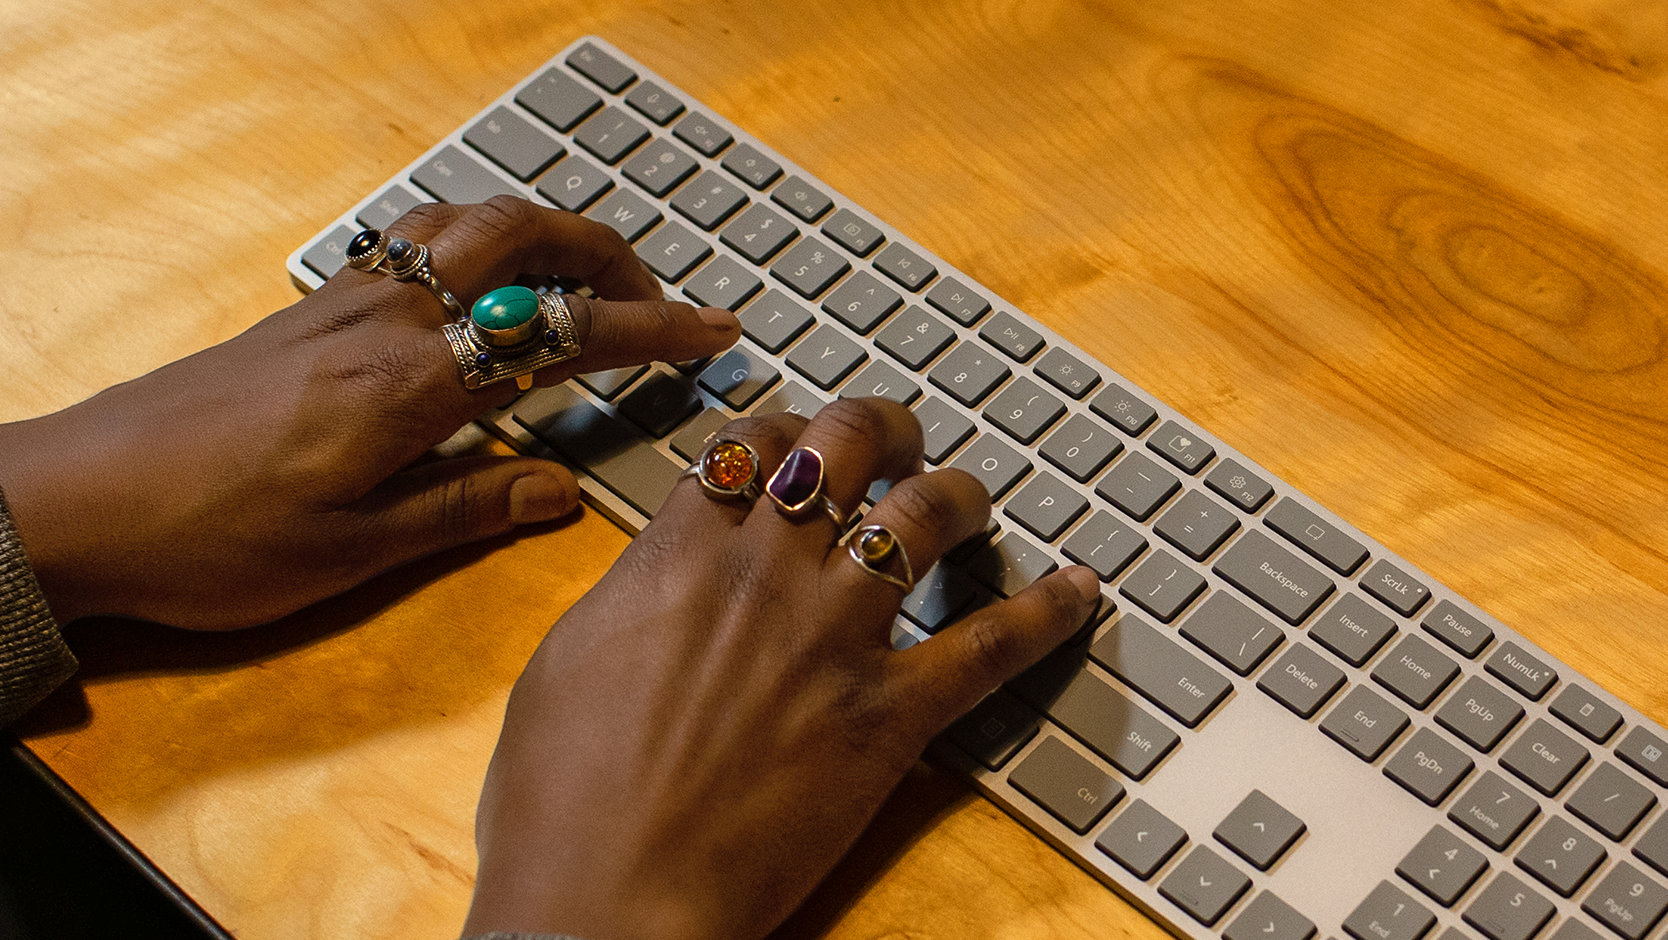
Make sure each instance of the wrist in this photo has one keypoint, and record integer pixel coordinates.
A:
(52, 523)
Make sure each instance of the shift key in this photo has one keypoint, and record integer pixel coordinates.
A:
(1160, 669)
(1097, 714)
(1274, 577)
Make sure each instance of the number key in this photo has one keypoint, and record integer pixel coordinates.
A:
(1024, 410)
(1081, 447)
(969, 373)
(914, 337)
(810, 267)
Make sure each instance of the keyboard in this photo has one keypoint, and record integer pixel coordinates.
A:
(1277, 730)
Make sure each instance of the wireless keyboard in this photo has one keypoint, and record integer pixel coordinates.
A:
(1281, 731)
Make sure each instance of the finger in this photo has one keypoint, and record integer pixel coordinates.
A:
(927, 514)
(419, 224)
(771, 437)
(858, 441)
(613, 333)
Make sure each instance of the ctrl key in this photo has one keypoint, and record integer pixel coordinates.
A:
(1067, 784)
(1389, 914)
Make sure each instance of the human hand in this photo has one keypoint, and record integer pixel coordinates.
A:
(277, 468)
(702, 736)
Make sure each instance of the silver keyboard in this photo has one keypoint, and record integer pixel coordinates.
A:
(1278, 729)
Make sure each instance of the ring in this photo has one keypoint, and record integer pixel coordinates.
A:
(874, 547)
(727, 469)
(511, 333)
(403, 260)
(796, 487)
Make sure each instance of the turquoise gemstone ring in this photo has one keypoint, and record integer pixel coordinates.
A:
(510, 333)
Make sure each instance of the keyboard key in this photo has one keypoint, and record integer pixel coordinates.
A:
(1233, 633)
(387, 207)
(1494, 811)
(801, 198)
(700, 431)
(958, 301)
(810, 267)
(610, 134)
(1105, 544)
(1238, 485)
(1204, 885)
(625, 212)
(1560, 855)
(738, 377)
(1005, 332)
(654, 103)
(1137, 485)
(1196, 524)
(574, 183)
(1161, 670)
(1509, 910)
(602, 68)
(1479, 713)
(453, 176)
(659, 167)
(1627, 902)
(1269, 918)
(1259, 830)
(1586, 713)
(702, 133)
(914, 337)
(1046, 506)
(609, 449)
(709, 199)
(1643, 751)
(1301, 680)
(1141, 839)
(611, 382)
(1320, 538)
(851, 232)
(753, 167)
(514, 144)
(943, 428)
(1097, 714)
(1067, 373)
(660, 403)
(904, 266)
(1273, 577)
(792, 398)
(1461, 631)
(1010, 564)
(939, 596)
(995, 729)
(1162, 586)
(862, 302)
(969, 373)
(1443, 866)
(1397, 589)
(996, 465)
(1352, 630)
(1652, 847)
(1521, 671)
(1416, 671)
(1544, 757)
(1181, 447)
(1572, 929)
(879, 380)
(1389, 913)
(1611, 801)
(759, 233)
(328, 254)
(1024, 410)
(725, 282)
(826, 356)
(1067, 784)
(557, 98)
(673, 251)
(1364, 722)
(1081, 447)
(1428, 766)
(1130, 414)
(774, 320)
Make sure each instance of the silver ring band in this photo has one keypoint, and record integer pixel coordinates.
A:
(875, 549)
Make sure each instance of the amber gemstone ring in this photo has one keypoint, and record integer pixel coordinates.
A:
(877, 550)
(727, 469)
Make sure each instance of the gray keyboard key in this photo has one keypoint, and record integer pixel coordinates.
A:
(1652, 847)
(1241, 638)
(609, 449)
(610, 134)
(725, 282)
(810, 267)
(1161, 670)
(1308, 531)
(328, 254)
(1644, 752)
(1443, 866)
(1301, 680)
(625, 212)
(1428, 766)
(1024, 410)
(1507, 909)
(1067, 373)
(958, 301)
(914, 337)
(1196, 524)
(969, 373)
(759, 233)
(1005, 332)
(792, 398)
(1521, 671)
(700, 431)
(702, 133)
(655, 103)
(1455, 627)
(851, 232)
(943, 428)
(753, 167)
(514, 144)
(387, 207)
(659, 167)
(905, 266)
(1611, 801)
(939, 596)
(1572, 929)
(1097, 714)
(862, 302)
(1586, 713)
(612, 382)
(1494, 811)
(1046, 506)
(660, 403)
(1010, 564)
(1067, 784)
(1544, 757)
(1105, 544)
(1479, 713)
(557, 98)
(995, 729)
(774, 320)
(1269, 918)
(1081, 447)
(602, 68)
(1162, 586)
(1627, 901)
(1416, 671)
(574, 183)
(1560, 855)
(879, 380)
(1364, 722)
(1204, 885)
(1389, 913)
(997, 465)
(673, 251)
(1259, 830)
(1238, 485)
(738, 377)
(1397, 589)
(1137, 485)
(1141, 839)
(826, 356)
(801, 198)
(453, 176)
(709, 199)
(1130, 414)
(1273, 577)
(1181, 446)
(1352, 630)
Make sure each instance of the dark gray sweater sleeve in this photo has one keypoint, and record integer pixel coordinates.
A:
(34, 659)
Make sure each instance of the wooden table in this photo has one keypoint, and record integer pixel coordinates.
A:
(1410, 255)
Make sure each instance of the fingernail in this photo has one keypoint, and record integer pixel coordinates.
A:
(537, 497)
(719, 319)
(1085, 581)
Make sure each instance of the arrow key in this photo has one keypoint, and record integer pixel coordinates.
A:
(1204, 885)
(1269, 918)
(1141, 839)
(1259, 830)
(1442, 866)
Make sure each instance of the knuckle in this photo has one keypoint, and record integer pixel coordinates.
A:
(457, 513)
(766, 435)
(424, 215)
(986, 647)
(857, 419)
(499, 218)
(921, 504)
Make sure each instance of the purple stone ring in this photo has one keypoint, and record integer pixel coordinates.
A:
(796, 487)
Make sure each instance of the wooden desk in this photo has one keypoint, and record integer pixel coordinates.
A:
(1409, 255)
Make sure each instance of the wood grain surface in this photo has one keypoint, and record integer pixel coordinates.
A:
(1410, 255)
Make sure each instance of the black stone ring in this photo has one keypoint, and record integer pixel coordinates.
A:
(403, 260)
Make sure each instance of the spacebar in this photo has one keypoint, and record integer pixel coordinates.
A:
(610, 449)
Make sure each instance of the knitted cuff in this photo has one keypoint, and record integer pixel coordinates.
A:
(33, 657)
